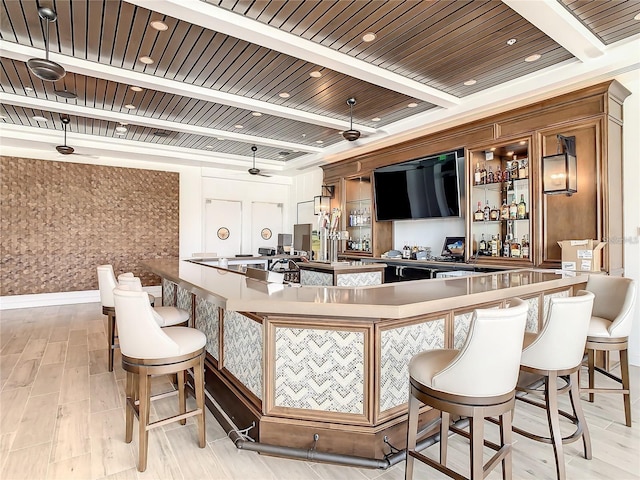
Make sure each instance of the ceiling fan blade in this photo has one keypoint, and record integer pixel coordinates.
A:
(263, 175)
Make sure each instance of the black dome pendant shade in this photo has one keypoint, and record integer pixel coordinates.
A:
(351, 134)
(65, 149)
(43, 68)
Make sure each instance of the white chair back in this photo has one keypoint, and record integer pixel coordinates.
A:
(560, 344)
(489, 361)
(615, 299)
(132, 282)
(106, 283)
(140, 335)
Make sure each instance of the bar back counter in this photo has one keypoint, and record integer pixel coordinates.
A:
(325, 368)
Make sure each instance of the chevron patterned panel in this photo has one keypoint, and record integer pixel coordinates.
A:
(320, 370)
(461, 329)
(168, 293)
(547, 301)
(532, 315)
(398, 345)
(184, 299)
(243, 350)
(207, 322)
(309, 277)
(361, 279)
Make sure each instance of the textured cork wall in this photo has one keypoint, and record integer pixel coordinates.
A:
(59, 220)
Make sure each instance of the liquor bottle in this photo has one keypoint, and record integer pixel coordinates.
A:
(506, 174)
(506, 248)
(513, 209)
(525, 247)
(495, 240)
(522, 208)
(486, 214)
(365, 243)
(515, 249)
(498, 174)
(483, 175)
(525, 168)
(478, 216)
(514, 168)
(476, 175)
(494, 214)
(482, 248)
(522, 168)
(490, 177)
(504, 210)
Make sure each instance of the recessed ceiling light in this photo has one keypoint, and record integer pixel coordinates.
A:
(146, 60)
(511, 41)
(158, 25)
(256, 114)
(208, 146)
(220, 138)
(161, 133)
(28, 89)
(39, 118)
(136, 89)
(315, 74)
(130, 107)
(510, 154)
(280, 156)
(319, 141)
(284, 95)
(120, 133)
(121, 129)
(238, 126)
(412, 105)
(468, 83)
(123, 124)
(637, 17)
(375, 119)
(493, 149)
(340, 133)
(533, 58)
(369, 37)
(523, 142)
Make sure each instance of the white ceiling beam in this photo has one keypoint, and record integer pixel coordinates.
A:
(556, 22)
(109, 116)
(129, 77)
(229, 23)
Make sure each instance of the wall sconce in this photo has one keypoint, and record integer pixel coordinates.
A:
(322, 203)
(560, 171)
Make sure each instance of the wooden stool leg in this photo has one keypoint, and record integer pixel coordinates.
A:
(412, 432)
(506, 439)
(182, 398)
(444, 436)
(111, 326)
(624, 373)
(198, 378)
(551, 398)
(129, 406)
(143, 420)
(477, 443)
(574, 396)
(591, 362)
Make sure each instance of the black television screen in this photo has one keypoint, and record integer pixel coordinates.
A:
(423, 188)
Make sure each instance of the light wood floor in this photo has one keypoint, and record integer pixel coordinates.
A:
(62, 417)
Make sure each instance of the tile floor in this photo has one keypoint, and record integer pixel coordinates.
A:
(62, 417)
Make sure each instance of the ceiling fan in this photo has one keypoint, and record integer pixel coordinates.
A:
(253, 170)
(65, 149)
(351, 134)
(43, 68)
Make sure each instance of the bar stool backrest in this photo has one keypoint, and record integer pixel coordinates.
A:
(560, 344)
(140, 335)
(106, 283)
(134, 283)
(615, 297)
(489, 361)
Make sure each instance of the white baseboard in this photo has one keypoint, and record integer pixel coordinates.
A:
(59, 298)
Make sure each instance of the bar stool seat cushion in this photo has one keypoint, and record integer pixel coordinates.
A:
(529, 338)
(167, 316)
(425, 365)
(599, 327)
(189, 340)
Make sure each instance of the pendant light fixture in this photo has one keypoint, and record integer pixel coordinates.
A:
(43, 68)
(65, 149)
(351, 134)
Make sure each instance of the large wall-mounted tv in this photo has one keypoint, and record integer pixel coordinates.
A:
(428, 187)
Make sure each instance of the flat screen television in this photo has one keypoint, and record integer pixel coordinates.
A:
(428, 187)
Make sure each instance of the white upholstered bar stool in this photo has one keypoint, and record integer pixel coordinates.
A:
(609, 330)
(554, 354)
(477, 381)
(106, 283)
(150, 350)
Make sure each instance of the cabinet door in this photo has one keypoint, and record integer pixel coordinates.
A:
(500, 203)
(358, 215)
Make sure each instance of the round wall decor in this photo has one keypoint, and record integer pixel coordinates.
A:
(265, 233)
(223, 233)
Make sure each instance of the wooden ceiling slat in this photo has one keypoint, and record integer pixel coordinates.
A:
(247, 55)
(16, 27)
(141, 40)
(292, 14)
(95, 14)
(181, 34)
(121, 39)
(310, 18)
(109, 28)
(10, 79)
(210, 59)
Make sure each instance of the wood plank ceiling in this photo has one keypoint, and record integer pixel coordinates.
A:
(215, 94)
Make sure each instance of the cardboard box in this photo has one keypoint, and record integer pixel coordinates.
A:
(582, 255)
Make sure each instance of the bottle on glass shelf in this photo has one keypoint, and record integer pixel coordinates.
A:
(513, 209)
(478, 216)
(483, 245)
(524, 168)
(504, 210)
(506, 174)
(514, 168)
(506, 248)
(483, 175)
(490, 177)
(521, 172)
(494, 214)
(406, 251)
(494, 245)
(476, 175)
(522, 208)
(525, 247)
(515, 249)
(486, 213)
(498, 174)
(365, 243)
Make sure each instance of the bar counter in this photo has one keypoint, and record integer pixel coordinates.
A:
(297, 361)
